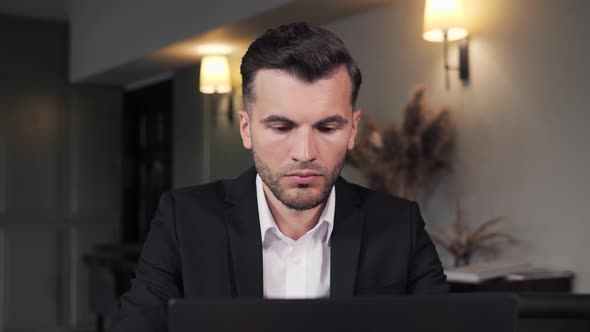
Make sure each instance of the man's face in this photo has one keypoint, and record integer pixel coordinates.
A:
(299, 134)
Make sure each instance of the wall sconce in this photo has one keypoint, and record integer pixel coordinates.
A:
(214, 74)
(444, 21)
(215, 79)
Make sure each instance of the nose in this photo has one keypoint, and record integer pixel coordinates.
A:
(304, 148)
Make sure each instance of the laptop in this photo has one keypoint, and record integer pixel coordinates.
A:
(453, 312)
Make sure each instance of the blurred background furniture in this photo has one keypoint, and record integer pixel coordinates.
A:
(560, 284)
(111, 268)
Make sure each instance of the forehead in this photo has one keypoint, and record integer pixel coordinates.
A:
(279, 92)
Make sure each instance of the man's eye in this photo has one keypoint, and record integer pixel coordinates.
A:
(281, 129)
(326, 130)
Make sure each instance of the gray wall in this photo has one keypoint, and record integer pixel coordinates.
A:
(60, 166)
(228, 157)
(207, 147)
(522, 121)
(188, 145)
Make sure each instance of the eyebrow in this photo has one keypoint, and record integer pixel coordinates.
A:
(337, 119)
(276, 118)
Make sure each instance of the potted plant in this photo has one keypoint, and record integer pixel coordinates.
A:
(462, 242)
(400, 159)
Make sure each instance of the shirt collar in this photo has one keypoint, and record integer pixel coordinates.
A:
(267, 221)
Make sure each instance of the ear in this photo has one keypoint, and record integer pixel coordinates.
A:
(356, 116)
(245, 129)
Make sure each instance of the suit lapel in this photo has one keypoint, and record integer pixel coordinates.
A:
(345, 241)
(244, 235)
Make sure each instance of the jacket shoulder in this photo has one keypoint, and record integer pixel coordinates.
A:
(205, 199)
(384, 211)
(371, 199)
(209, 191)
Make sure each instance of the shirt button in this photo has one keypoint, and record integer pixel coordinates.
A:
(296, 260)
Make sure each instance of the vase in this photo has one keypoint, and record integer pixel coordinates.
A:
(462, 260)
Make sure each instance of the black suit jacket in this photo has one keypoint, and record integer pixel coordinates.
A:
(205, 242)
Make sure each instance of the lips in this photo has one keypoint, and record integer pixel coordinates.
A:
(304, 177)
(304, 174)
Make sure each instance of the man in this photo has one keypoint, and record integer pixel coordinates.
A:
(289, 227)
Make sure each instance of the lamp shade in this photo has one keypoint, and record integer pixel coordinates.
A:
(441, 16)
(214, 74)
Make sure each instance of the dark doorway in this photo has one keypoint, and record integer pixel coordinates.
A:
(147, 156)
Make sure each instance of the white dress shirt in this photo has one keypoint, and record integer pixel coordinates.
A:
(295, 269)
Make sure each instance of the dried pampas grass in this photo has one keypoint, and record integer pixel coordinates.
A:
(400, 159)
(462, 243)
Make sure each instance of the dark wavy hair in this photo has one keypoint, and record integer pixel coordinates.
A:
(308, 53)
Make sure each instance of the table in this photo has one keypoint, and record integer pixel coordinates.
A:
(561, 284)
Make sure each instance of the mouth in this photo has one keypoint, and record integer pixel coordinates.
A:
(304, 177)
(304, 173)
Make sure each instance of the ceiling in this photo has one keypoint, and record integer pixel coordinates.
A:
(237, 34)
(54, 10)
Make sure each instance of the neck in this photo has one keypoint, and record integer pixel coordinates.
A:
(292, 223)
